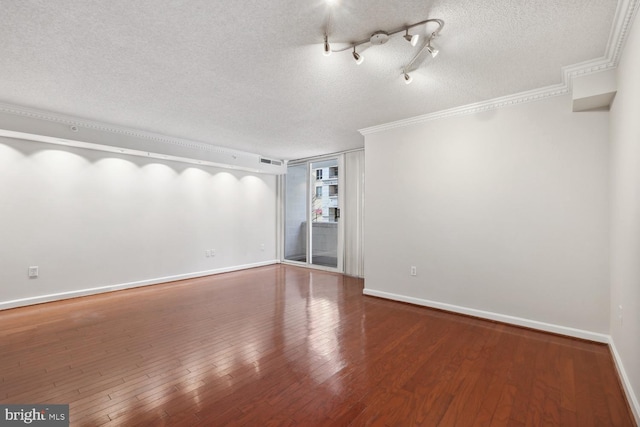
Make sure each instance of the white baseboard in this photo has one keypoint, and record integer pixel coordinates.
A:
(4, 305)
(626, 384)
(527, 323)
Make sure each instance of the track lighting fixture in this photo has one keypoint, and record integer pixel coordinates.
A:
(413, 39)
(327, 48)
(381, 37)
(432, 50)
(359, 58)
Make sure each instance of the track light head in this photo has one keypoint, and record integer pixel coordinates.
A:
(413, 39)
(327, 48)
(407, 78)
(432, 50)
(359, 58)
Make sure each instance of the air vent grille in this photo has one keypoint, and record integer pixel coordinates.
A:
(270, 161)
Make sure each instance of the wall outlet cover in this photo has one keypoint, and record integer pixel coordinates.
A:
(33, 271)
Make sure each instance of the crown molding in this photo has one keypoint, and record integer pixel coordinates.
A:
(110, 128)
(625, 14)
(36, 125)
(478, 107)
(623, 19)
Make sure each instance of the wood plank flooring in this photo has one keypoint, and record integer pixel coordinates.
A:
(282, 345)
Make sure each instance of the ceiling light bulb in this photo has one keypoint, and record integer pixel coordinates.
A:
(327, 48)
(407, 78)
(359, 58)
(432, 50)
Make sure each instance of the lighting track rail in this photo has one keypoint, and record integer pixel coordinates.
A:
(381, 37)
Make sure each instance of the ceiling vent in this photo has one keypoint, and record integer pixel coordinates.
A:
(270, 161)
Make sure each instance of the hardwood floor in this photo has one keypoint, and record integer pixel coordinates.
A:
(282, 345)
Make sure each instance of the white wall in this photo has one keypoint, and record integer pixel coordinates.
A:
(625, 218)
(504, 211)
(92, 219)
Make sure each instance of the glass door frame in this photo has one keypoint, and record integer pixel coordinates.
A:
(309, 201)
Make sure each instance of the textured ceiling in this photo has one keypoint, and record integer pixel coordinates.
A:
(250, 75)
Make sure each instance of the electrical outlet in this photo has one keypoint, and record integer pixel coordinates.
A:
(620, 314)
(262, 247)
(414, 270)
(33, 271)
(213, 252)
(207, 253)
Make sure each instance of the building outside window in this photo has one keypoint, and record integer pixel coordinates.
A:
(325, 201)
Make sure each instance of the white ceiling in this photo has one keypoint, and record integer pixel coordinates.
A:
(250, 74)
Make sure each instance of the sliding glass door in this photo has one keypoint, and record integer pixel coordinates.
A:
(313, 231)
(295, 212)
